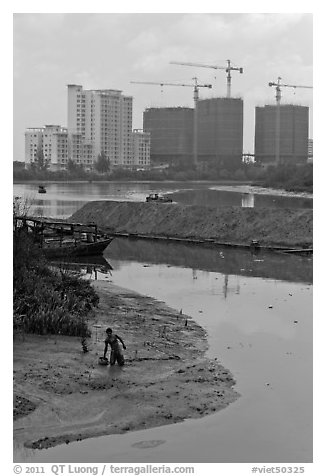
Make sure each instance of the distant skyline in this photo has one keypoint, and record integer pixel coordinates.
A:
(108, 50)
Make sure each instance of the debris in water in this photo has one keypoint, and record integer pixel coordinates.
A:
(295, 322)
(270, 307)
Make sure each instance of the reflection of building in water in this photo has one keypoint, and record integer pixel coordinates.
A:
(248, 200)
(227, 288)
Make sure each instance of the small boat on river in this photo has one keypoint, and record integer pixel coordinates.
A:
(63, 239)
(41, 189)
(155, 197)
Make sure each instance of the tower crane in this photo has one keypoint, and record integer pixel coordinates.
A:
(196, 87)
(227, 69)
(278, 87)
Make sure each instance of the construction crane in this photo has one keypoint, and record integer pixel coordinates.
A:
(196, 87)
(278, 87)
(227, 69)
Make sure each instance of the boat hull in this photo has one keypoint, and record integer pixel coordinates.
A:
(81, 249)
(159, 200)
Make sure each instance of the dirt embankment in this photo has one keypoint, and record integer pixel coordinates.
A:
(61, 394)
(271, 226)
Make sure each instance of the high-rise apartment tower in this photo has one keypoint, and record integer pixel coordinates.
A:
(99, 121)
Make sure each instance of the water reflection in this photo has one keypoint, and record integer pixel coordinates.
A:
(225, 261)
(248, 200)
(89, 266)
(218, 198)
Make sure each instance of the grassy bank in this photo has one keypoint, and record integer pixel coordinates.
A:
(278, 227)
(47, 300)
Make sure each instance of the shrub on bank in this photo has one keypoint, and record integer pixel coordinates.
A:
(46, 300)
(293, 178)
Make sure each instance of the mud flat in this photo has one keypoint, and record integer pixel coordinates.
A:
(61, 394)
(270, 226)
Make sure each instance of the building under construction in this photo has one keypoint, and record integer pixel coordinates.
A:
(220, 131)
(293, 134)
(171, 130)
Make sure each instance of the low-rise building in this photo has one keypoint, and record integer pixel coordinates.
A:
(141, 148)
(310, 150)
(49, 143)
(33, 144)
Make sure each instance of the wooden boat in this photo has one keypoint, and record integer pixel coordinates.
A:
(70, 248)
(41, 189)
(60, 239)
(155, 197)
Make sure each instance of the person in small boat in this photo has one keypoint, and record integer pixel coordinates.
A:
(116, 354)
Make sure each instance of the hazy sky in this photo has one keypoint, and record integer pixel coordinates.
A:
(108, 50)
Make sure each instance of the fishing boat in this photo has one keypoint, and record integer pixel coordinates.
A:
(155, 197)
(62, 239)
(41, 189)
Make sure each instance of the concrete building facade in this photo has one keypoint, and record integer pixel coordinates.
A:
(103, 121)
(171, 133)
(220, 131)
(51, 141)
(294, 129)
(33, 143)
(310, 150)
(141, 147)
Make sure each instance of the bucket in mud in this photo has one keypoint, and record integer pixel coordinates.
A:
(103, 361)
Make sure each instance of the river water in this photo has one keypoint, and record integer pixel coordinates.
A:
(257, 310)
(63, 199)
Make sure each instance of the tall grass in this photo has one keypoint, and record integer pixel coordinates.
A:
(48, 301)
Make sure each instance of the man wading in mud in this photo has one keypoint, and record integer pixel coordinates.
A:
(116, 354)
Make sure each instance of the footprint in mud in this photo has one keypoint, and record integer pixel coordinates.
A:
(148, 444)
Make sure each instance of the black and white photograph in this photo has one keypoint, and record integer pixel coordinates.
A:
(162, 241)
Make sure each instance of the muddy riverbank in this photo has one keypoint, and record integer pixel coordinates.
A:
(61, 394)
(271, 227)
